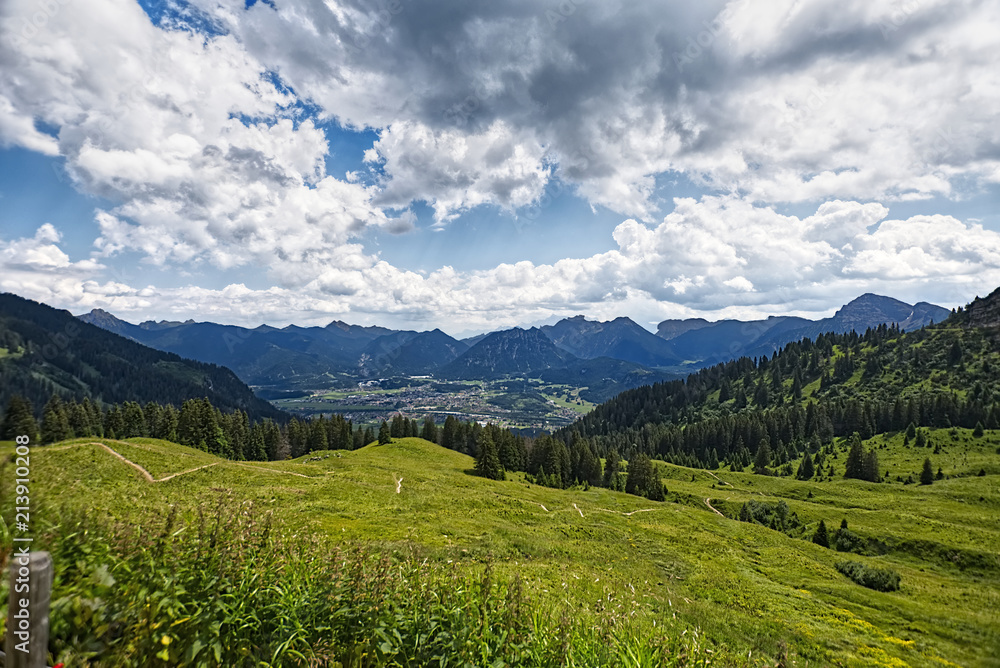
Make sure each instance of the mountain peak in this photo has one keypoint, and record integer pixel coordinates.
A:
(101, 318)
(982, 312)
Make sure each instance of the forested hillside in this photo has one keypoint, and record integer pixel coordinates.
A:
(45, 351)
(772, 411)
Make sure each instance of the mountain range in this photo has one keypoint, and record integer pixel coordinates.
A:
(618, 351)
(706, 343)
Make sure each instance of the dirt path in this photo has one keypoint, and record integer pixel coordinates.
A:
(149, 478)
(578, 510)
(399, 485)
(619, 512)
(264, 468)
(146, 474)
(717, 478)
(711, 508)
(196, 468)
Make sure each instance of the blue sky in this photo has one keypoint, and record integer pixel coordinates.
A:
(441, 164)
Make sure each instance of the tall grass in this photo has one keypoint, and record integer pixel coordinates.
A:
(227, 588)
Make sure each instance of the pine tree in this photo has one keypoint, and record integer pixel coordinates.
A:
(821, 537)
(855, 458)
(642, 478)
(18, 420)
(430, 430)
(955, 354)
(806, 470)
(870, 470)
(612, 467)
(449, 436)
(763, 458)
(927, 475)
(978, 431)
(488, 463)
(55, 423)
(384, 434)
(397, 429)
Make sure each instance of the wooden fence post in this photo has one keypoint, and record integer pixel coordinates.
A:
(35, 570)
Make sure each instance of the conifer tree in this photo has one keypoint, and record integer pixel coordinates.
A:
(643, 479)
(18, 420)
(488, 463)
(763, 458)
(55, 424)
(449, 436)
(79, 421)
(134, 420)
(806, 470)
(927, 475)
(855, 458)
(821, 537)
(384, 434)
(430, 430)
(612, 467)
(869, 469)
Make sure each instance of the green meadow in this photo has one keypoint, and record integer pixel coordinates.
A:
(713, 590)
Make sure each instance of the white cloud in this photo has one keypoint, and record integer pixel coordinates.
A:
(456, 171)
(786, 101)
(204, 154)
(720, 256)
(209, 161)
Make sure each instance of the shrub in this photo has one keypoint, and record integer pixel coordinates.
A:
(879, 579)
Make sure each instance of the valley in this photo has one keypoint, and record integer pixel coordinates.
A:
(832, 504)
(523, 404)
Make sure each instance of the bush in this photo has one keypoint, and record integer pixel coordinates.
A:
(772, 515)
(845, 540)
(879, 579)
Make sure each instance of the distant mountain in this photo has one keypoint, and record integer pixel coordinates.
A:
(728, 339)
(410, 353)
(671, 329)
(104, 320)
(44, 350)
(473, 340)
(620, 339)
(512, 352)
(288, 357)
(867, 311)
(704, 344)
(298, 358)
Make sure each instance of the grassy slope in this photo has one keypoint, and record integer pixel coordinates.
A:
(745, 585)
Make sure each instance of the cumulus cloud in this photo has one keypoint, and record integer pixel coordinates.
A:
(208, 158)
(210, 148)
(721, 256)
(783, 100)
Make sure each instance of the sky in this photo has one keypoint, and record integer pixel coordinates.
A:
(478, 165)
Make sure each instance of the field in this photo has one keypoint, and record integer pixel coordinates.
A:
(750, 592)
